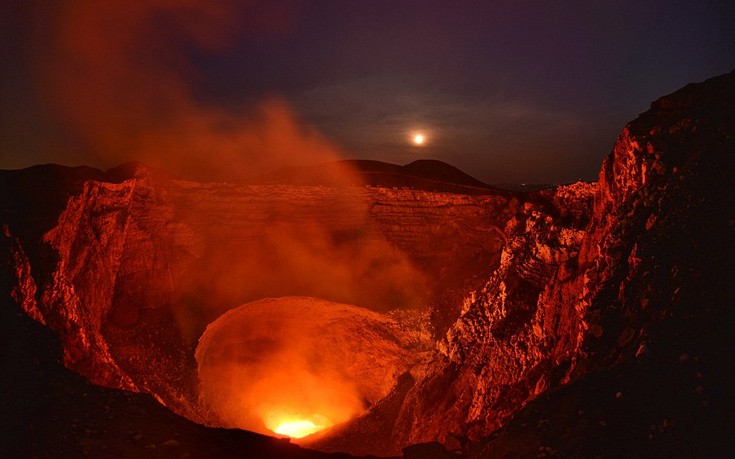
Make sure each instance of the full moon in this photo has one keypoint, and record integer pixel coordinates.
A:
(418, 139)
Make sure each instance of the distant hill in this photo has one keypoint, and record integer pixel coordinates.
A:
(425, 174)
(524, 187)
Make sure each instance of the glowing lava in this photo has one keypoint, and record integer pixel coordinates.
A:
(295, 365)
(295, 426)
(298, 429)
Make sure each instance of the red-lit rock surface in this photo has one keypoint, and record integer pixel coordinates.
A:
(593, 319)
(649, 271)
(492, 357)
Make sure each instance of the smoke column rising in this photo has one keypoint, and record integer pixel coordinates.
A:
(118, 75)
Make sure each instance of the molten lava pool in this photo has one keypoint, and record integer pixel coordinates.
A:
(296, 366)
(299, 428)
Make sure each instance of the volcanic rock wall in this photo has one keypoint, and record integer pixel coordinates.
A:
(497, 353)
(591, 281)
(650, 300)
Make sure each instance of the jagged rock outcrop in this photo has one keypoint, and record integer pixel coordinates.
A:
(652, 297)
(572, 297)
(499, 352)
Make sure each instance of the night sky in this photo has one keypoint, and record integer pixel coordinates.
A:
(509, 91)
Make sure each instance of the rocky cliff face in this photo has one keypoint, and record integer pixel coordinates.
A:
(575, 295)
(650, 372)
(555, 314)
(499, 352)
(590, 276)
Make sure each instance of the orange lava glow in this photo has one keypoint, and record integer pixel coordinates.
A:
(296, 366)
(297, 428)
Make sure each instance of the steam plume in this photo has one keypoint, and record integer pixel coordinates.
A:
(119, 75)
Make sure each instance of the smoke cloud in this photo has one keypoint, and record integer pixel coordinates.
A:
(120, 76)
